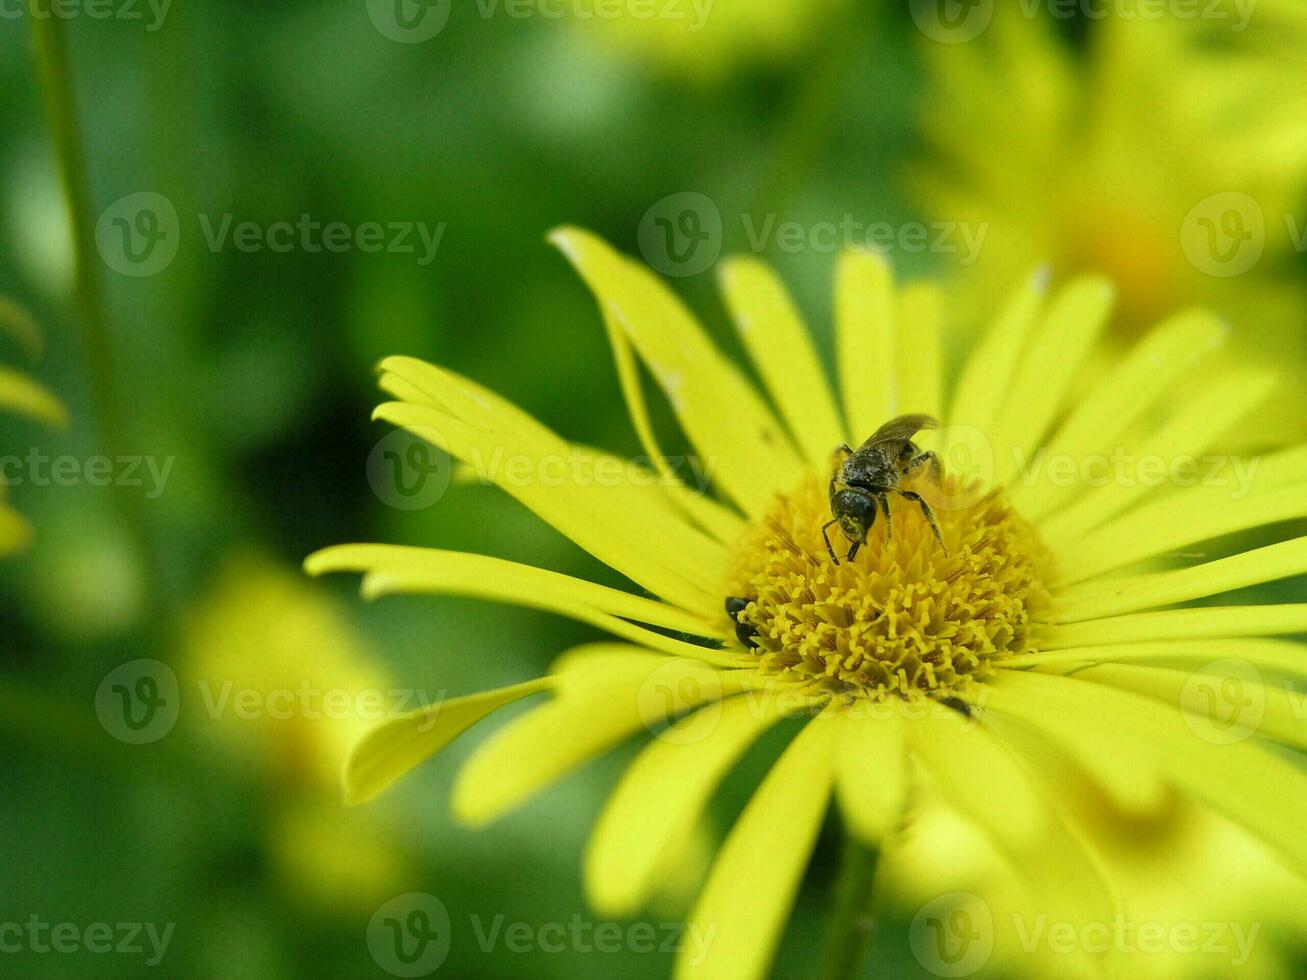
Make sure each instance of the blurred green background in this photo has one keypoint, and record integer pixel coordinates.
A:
(248, 374)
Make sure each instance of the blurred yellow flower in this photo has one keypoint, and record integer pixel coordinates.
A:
(967, 909)
(1171, 156)
(1016, 664)
(283, 687)
(705, 39)
(21, 395)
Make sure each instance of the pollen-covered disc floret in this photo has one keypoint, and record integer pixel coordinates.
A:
(903, 618)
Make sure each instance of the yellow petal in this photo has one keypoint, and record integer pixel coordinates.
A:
(23, 396)
(1210, 622)
(1057, 349)
(920, 355)
(719, 520)
(1096, 599)
(778, 343)
(1256, 708)
(865, 333)
(1278, 656)
(394, 570)
(1104, 753)
(661, 796)
(983, 780)
(15, 532)
(1194, 429)
(726, 421)
(753, 882)
(1173, 522)
(992, 365)
(1145, 375)
(872, 774)
(589, 716)
(400, 744)
(1241, 780)
(614, 522)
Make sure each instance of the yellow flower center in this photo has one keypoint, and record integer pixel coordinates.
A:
(903, 618)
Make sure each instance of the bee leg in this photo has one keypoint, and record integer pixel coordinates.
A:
(930, 514)
(928, 459)
(889, 521)
(853, 551)
(825, 537)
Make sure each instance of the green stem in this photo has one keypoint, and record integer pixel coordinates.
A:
(54, 72)
(849, 933)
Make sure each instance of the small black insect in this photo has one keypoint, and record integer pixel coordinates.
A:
(743, 631)
(865, 479)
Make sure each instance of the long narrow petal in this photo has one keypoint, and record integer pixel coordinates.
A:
(661, 795)
(1278, 656)
(872, 774)
(396, 746)
(725, 419)
(992, 365)
(1145, 375)
(1058, 348)
(865, 334)
(588, 717)
(718, 519)
(1191, 431)
(614, 520)
(1241, 780)
(1208, 622)
(983, 780)
(756, 876)
(396, 570)
(15, 532)
(1106, 754)
(919, 350)
(779, 345)
(1097, 599)
(1173, 522)
(23, 396)
(1263, 709)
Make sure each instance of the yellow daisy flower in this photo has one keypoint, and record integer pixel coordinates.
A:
(1171, 156)
(1019, 660)
(20, 395)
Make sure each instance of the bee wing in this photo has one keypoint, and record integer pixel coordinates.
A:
(900, 430)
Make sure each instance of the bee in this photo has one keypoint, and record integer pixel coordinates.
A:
(864, 480)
